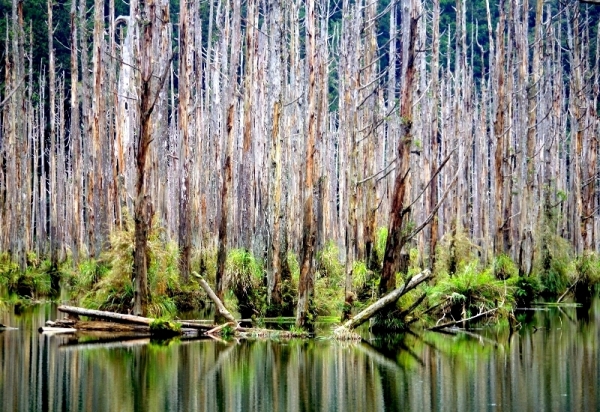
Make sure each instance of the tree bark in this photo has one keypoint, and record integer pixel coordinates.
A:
(306, 282)
(399, 215)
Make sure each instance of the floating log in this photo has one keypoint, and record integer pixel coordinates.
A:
(382, 303)
(55, 330)
(122, 318)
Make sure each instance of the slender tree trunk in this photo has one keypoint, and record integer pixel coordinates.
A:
(399, 215)
(226, 186)
(306, 282)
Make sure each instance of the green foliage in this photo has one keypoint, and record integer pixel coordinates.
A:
(504, 267)
(244, 277)
(527, 288)
(555, 265)
(470, 292)
(380, 240)
(454, 251)
(204, 261)
(329, 281)
(110, 277)
(294, 266)
(329, 265)
(34, 282)
(165, 327)
(588, 277)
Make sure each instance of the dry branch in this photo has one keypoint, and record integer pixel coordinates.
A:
(221, 309)
(456, 322)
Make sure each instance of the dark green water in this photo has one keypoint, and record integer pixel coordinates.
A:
(555, 367)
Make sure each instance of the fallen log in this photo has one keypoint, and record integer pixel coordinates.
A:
(221, 309)
(123, 318)
(381, 304)
(55, 330)
(219, 328)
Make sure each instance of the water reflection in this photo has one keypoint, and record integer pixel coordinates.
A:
(550, 364)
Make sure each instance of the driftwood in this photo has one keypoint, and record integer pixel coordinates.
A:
(122, 318)
(381, 304)
(457, 322)
(221, 309)
(56, 330)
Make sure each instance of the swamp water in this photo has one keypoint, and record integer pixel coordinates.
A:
(551, 364)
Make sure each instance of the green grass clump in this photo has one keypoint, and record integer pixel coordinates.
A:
(165, 327)
(32, 283)
(244, 278)
(527, 289)
(587, 282)
(380, 240)
(329, 281)
(110, 276)
(471, 291)
(504, 267)
(454, 253)
(555, 265)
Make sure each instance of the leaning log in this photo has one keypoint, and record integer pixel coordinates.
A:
(382, 303)
(221, 309)
(123, 318)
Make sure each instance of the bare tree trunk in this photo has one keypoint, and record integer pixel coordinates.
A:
(226, 186)
(185, 72)
(150, 88)
(399, 215)
(306, 282)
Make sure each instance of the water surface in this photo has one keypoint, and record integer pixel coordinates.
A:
(551, 364)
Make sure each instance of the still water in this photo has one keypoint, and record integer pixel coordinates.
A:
(551, 364)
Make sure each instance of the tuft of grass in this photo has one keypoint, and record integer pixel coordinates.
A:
(587, 269)
(555, 265)
(244, 278)
(454, 253)
(527, 289)
(329, 281)
(110, 276)
(380, 240)
(33, 283)
(165, 327)
(471, 291)
(504, 267)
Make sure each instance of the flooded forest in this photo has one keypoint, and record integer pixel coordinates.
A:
(303, 156)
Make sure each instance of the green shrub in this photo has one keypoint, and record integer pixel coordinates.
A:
(110, 277)
(470, 292)
(34, 282)
(380, 240)
(244, 277)
(588, 277)
(454, 253)
(504, 267)
(329, 281)
(527, 289)
(164, 327)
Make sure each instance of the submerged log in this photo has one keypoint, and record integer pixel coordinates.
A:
(458, 322)
(122, 318)
(382, 303)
